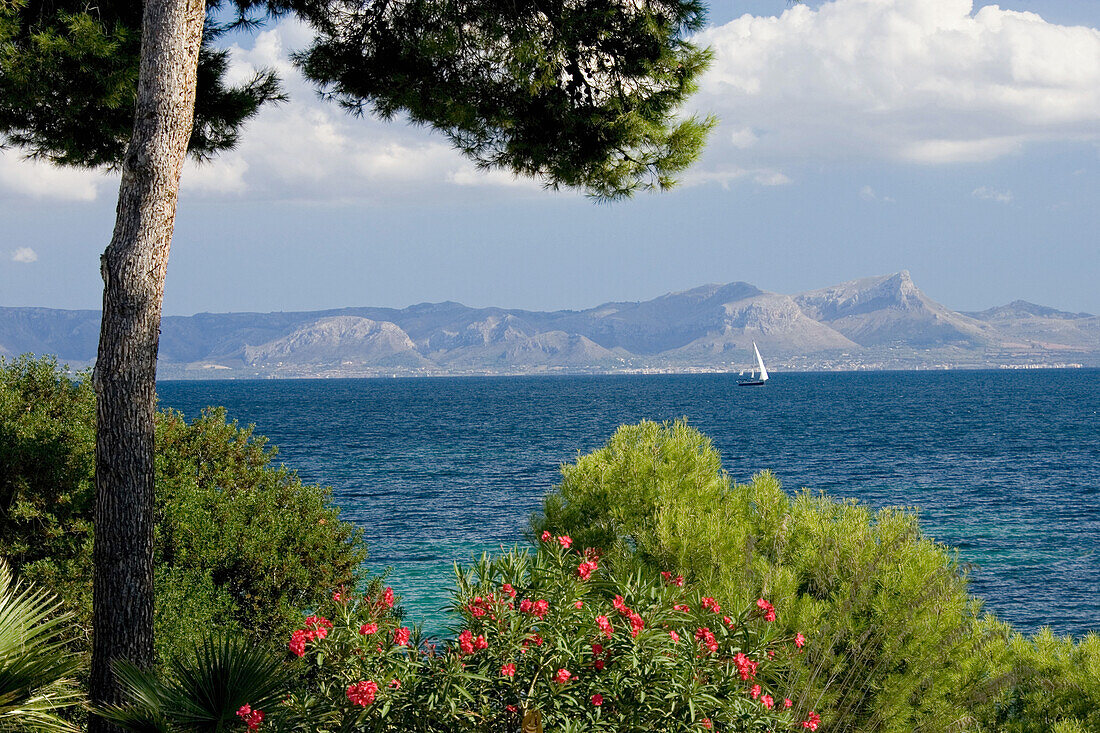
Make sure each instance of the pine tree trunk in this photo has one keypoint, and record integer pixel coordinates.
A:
(133, 269)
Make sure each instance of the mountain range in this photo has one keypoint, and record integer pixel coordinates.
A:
(883, 322)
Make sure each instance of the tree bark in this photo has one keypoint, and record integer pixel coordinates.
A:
(133, 269)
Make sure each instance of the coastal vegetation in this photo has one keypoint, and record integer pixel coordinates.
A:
(658, 595)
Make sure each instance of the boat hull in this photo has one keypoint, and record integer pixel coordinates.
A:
(750, 384)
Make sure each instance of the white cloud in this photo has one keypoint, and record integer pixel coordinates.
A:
(923, 81)
(868, 194)
(38, 179)
(25, 255)
(991, 194)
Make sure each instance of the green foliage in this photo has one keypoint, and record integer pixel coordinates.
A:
(1055, 685)
(894, 639)
(35, 663)
(68, 80)
(580, 94)
(200, 691)
(241, 543)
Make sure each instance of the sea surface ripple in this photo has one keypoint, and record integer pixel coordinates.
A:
(1004, 466)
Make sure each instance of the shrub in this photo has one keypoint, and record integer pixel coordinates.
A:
(894, 638)
(241, 543)
(556, 636)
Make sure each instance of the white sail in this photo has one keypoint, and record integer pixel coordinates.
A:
(760, 363)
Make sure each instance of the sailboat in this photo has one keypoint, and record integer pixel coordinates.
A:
(753, 381)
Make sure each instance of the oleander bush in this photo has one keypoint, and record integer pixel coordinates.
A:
(895, 642)
(555, 635)
(241, 543)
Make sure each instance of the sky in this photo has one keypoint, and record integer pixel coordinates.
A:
(958, 140)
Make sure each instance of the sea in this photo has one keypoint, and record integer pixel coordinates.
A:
(1002, 465)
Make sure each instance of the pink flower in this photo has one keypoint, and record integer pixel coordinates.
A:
(362, 693)
(706, 637)
(711, 604)
(586, 568)
(368, 629)
(387, 598)
(534, 639)
(767, 701)
(681, 607)
(636, 624)
(620, 606)
(562, 676)
(755, 691)
(511, 708)
(395, 684)
(401, 636)
(466, 642)
(745, 666)
(508, 590)
(336, 597)
(597, 699)
(480, 643)
(767, 608)
(727, 621)
(578, 605)
(787, 702)
(297, 643)
(813, 722)
(565, 541)
(799, 640)
(252, 718)
(545, 536)
(540, 609)
(525, 605)
(605, 625)
(674, 635)
(508, 670)
(707, 724)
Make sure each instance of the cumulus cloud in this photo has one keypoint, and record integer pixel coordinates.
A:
(26, 255)
(986, 193)
(38, 179)
(923, 81)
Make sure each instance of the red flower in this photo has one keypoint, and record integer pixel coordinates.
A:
(605, 625)
(466, 642)
(787, 702)
(707, 724)
(745, 666)
(674, 635)
(336, 597)
(562, 676)
(387, 598)
(297, 643)
(727, 621)
(711, 604)
(508, 670)
(597, 650)
(367, 629)
(768, 701)
(362, 693)
(480, 643)
(511, 708)
(636, 624)
(681, 607)
(252, 718)
(540, 609)
(509, 590)
(525, 605)
(597, 699)
(565, 541)
(813, 722)
(545, 536)
(706, 637)
(767, 608)
(599, 664)
(535, 639)
(799, 640)
(755, 691)
(578, 605)
(620, 606)
(401, 636)
(395, 683)
(585, 569)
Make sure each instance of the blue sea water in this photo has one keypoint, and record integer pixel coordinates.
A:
(1005, 465)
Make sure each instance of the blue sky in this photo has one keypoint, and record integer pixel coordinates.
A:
(857, 137)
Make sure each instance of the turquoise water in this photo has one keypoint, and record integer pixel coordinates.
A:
(1003, 465)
